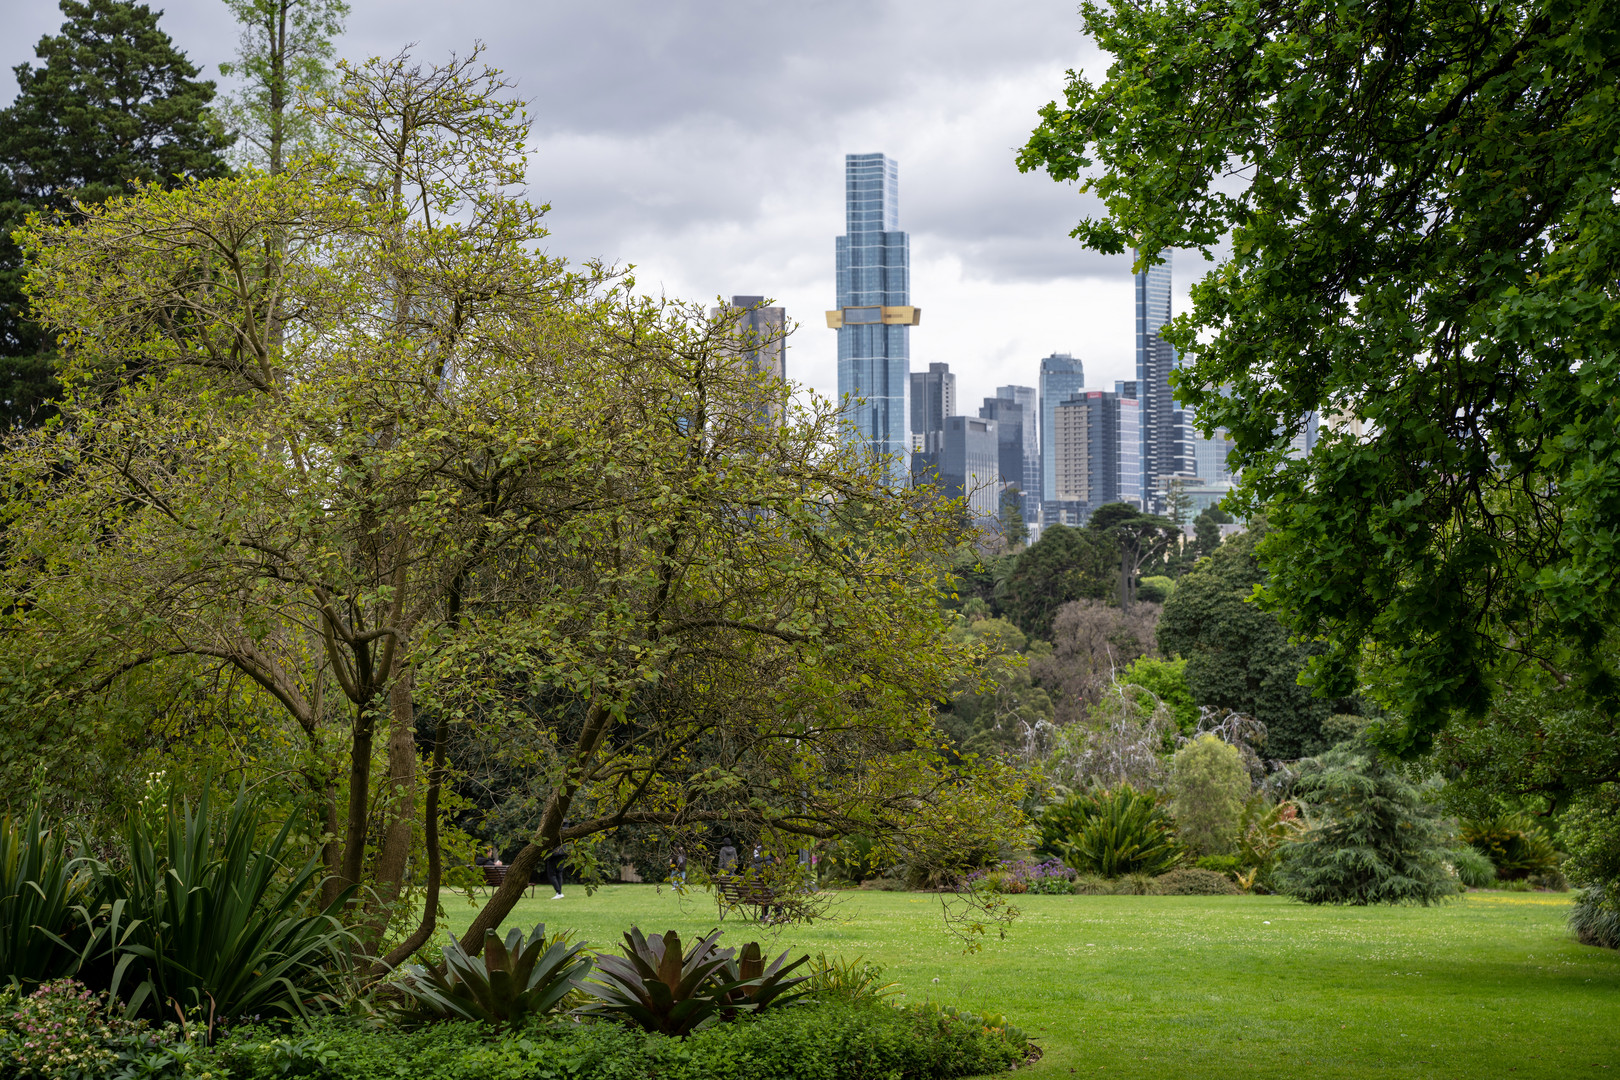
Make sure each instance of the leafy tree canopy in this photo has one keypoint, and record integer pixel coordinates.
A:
(110, 104)
(1420, 205)
(384, 458)
(1064, 564)
(1238, 654)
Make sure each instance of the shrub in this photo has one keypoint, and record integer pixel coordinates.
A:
(832, 1040)
(1516, 845)
(1017, 876)
(858, 979)
(1092, 885)
(1263, 828)
(1209, 786)
(64, 1031)
(1119, 832)
(1194, 881)
(203, 918)
(1595, 918)
(1374, 840)
(515, 981)
(58, 1031)
(1473, 869)
(1229, 865)
(41, 890)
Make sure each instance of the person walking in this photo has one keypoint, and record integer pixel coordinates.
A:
(677, 865)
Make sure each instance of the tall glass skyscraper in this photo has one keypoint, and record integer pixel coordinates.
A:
(874, 315)
(1166, 430)
(1062, 376)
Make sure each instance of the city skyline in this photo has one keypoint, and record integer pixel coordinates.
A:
(645, 156)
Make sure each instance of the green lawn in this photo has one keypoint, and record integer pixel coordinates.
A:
(1188, 987)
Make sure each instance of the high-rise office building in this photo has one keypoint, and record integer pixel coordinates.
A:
(1090, 440)
(761, 334)
(1009, 418)
(1061, 376)
(1130, 449)
(1167, 433)
(1030, 399)
(933, 398)
(970, 464)
(874, 314)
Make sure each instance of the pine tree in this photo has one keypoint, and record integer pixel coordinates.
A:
(110, 102)
(1373, 839)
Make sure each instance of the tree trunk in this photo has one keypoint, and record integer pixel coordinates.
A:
(430, 826)
(400, 801)
(547, 838)
(354, 827)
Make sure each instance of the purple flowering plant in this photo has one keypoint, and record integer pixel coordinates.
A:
(1024, 876)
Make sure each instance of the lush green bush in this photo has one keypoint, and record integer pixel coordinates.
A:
(1194, 881)
(1595, 918)
(195, 914)
(65, 1031)
(43, 891)
(831, 1040)
(1209, 785)
(1473, 869)
(1221, 864)
(1515, 843)
(1590, 832)
(1373, 840)
(1114, 833)
(202, 917)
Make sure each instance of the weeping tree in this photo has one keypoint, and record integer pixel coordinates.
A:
(347, 433)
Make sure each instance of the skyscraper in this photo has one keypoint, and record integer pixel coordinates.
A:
(1029, 398)
(1167, 449)
(933, 398)
(761, 342)
(969, 465)
(874, 313)
(1009, 418)
(1089, 432)
(1061, 376)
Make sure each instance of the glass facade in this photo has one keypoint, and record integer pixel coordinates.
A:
(1029, 399)
(1163, 444)
(1062, 376)
(874, 272)
(1130, 450)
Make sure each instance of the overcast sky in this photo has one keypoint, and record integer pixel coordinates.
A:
(705, 141)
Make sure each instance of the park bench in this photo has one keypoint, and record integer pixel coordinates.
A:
(732, 891)
(494, 875)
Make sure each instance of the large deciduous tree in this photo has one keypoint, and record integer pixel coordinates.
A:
(285, 50)
(1238, 654)
(1420, 201)
(111, 103)
(345, 432)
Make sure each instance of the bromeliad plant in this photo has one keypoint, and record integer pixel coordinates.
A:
(660, 988)
(1119, 832)
(517, 979)
(755, 986)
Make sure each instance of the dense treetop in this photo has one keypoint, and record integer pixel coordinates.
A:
(110, 104)
(1420, 203)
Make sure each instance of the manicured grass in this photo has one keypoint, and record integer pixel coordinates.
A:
(1190, 987)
